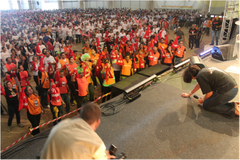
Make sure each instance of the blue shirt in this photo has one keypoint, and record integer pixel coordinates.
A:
(45, 39)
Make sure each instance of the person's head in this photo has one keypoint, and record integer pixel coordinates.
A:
(71, 59)
(93, 51)
(91, 113)
(21, 68)
(28, 90)
(63, 55)
(8, 84)
(127, 56)
(44, 51)
(9, 60)
(162, 40)
(86, 44)
(190, 73)
(105, 49)
(61, 73)
(181, 43)
(47, 54)
(155, 49)
(35, 58)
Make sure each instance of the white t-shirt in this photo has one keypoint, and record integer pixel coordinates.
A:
(5, 55)
(30, 56)
(46, 60)
(56, 46)
(41, 47)
(99, 36)
(69, 31)
(35, 73)
(77, 29)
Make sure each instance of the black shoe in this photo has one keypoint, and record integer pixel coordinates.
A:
(211, 44)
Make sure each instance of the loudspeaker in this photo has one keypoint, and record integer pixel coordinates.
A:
(154, 70)
(195, 60)
(223, 52)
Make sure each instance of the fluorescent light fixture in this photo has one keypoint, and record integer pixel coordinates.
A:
(205, 52)
(182, 63)
(141, 83)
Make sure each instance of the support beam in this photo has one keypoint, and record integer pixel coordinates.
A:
(150, 4)
(19, 4)
(82, 6)
(110, 4)
(60, 4)
(30, 4)
(10, 4)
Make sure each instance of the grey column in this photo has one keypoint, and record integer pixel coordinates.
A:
(10, 4)
(30, 4)
(19, 4)
(60, 4)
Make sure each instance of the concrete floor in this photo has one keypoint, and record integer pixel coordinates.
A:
(9, 137)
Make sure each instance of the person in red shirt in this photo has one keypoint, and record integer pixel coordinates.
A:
(64, 89)
(50, 46)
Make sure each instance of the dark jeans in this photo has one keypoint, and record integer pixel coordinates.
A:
(117, 75)
(72, 89)
(34, 120)
(44, 97)
(65, 98)
(101, 82)
(11, 111)
(177, 60)
(94, 77)
(54, 115)
(215, 34)
(80, 101)
(197, 43)
(50, 77)
(219, 103)
(91, 92)
(207, 31)
(191, 41)
(35, 80)
(106, 90)
(78, 38)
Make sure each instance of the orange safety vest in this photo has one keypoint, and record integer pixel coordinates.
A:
(72, 67)
(88, 50)
(66, 50)
(82, 86)
(126, 68)
(94, 58)
(63, 63)
(63, 85)
(162, 46)
(44, 80)
(9, 66)
(141, 56)
(110, 80)
(168, 58)
(23, 76)
(58, 101)
(155, 59)
(180, 52)
(34, 106)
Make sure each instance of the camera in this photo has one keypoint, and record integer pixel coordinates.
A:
(112, 151)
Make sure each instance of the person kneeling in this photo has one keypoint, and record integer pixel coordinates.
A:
(218, 86)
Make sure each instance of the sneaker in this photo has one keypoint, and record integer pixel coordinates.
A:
(74, 102)
(20, 125)
(211, 44)
(8, 128)
(48, 106)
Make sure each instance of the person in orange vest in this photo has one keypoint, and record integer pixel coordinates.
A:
(87, 70)
(12, 68)
(108, 78)
(86, 48)
(34, 108)
(64, 89)
(180, 53)
(140, 60)
(126, 67)
(168, 59)
(23, 76)
(13, 102)
(67, 49)
(156, 57)
(43, 84)
(94, 58)
(71, 67)
(63, 62)
(81, 84)
(12, 80)
(56, 101)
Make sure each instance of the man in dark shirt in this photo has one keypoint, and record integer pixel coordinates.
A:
(110, 44)
(216, 25)
(192, 36)
(180, 33)
(218, 86)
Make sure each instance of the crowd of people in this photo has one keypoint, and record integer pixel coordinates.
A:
(116, 43)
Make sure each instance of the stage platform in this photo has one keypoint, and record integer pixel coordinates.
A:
(162, 125)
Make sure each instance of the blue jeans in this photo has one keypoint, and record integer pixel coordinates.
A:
(215, 33)
(219, 103)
